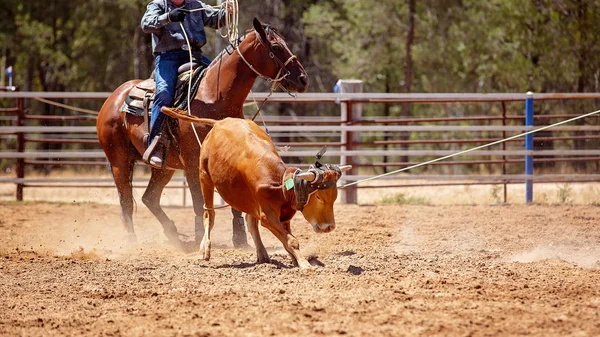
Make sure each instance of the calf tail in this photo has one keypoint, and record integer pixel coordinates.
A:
(182, 114)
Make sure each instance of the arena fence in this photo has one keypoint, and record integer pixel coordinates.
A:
(372, 144)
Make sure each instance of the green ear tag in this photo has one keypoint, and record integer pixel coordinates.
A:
(289, 184)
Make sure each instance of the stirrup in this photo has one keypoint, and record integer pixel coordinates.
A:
(150, 150)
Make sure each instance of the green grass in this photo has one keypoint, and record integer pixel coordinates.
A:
(401, 199)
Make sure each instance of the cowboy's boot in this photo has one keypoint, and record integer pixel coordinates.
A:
(239, 231)
(154, 153)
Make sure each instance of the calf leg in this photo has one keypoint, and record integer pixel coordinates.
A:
(287, 227)
(261, 252)
(290, 243)
(209, 215)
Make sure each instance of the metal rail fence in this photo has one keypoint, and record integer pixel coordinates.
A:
(371, 144)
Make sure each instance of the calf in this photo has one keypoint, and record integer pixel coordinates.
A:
(239, 159)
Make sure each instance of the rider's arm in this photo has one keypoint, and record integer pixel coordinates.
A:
(155, 18)
(213, 18)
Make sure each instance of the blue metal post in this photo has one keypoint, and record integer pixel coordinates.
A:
(529, 147)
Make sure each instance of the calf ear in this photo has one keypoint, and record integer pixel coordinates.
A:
(260, 30)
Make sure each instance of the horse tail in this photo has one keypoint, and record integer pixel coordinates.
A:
(182, 114)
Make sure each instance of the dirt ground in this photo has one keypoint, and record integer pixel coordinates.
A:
(390, 270)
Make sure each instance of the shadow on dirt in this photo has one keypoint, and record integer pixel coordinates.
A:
(245, 265)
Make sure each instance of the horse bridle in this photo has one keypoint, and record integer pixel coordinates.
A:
(281, 65)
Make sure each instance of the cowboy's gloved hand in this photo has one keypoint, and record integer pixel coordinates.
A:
(229, 6)
(178, 14)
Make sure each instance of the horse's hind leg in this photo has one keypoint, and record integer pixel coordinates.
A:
(122, 174)
(151, 198)
(239, 233)
(192, 175)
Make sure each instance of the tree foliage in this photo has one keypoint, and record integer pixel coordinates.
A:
(459, 46)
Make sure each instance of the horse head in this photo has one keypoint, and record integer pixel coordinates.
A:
(285, 67)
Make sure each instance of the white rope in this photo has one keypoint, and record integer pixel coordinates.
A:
(217, 207)
(231, 19)
(189, 91)
(473, 149)
(231, 22)
(69, 107)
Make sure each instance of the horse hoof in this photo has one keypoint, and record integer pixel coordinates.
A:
(189, 246)
(131, 238)
(263, 260)
(242, 245)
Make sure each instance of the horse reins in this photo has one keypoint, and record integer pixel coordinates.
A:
(232, 34)
(278, 62)
(278, 78)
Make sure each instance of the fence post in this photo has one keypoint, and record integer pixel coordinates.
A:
(504, 149)
(529, 147)
(20, 147)
(350, 112)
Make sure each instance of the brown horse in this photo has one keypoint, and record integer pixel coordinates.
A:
(222, 92)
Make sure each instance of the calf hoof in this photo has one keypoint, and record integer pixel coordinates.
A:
(306, 266)
(205, 249)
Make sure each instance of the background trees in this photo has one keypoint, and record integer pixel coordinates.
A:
(456, 45)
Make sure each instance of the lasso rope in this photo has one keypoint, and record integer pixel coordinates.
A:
(231, 19)
(189, 91)
(473, 149)
(69, 107)
(231, 24)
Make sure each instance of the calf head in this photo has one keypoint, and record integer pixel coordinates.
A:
(316, 192)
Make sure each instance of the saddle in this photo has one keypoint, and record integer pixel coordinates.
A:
(140, 99)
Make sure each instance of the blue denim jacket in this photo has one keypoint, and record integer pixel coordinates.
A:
(168, 35)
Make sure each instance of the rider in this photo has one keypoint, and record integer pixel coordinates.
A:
(162, 19)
